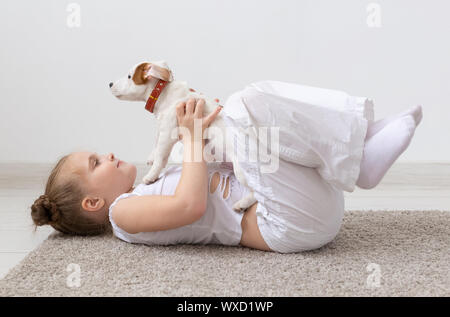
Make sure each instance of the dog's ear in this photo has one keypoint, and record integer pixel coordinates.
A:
(160, 70)
(139, 76)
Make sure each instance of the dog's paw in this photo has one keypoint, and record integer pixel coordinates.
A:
(239, 207)
(244, 203)
(149, 178)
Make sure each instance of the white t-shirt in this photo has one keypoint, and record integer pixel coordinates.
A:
(219, 225)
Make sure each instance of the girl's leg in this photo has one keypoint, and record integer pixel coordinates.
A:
(383, 148)
(297, 209)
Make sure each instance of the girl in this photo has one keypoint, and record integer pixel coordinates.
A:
(328, 142)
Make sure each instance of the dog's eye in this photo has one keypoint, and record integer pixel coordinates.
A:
(129, 76)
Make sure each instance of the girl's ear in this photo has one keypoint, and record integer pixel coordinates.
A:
(159, 70)
(139, 76)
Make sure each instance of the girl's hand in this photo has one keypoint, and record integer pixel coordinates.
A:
(215, 99)
(193, 109)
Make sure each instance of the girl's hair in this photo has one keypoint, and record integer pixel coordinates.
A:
(60, 205)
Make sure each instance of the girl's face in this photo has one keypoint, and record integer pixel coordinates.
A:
(104, 178)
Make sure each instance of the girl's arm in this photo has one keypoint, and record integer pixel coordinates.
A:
(193, 185)
(163, 212)
(188, 204)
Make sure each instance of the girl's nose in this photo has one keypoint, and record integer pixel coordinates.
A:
(111, 156)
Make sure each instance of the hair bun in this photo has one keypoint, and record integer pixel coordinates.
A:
(44, 211)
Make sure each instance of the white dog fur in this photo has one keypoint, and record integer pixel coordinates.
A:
(139, 83)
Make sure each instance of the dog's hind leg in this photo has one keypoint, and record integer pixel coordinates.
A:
(245, 202)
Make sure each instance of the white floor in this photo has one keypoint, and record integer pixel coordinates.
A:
(407, 186)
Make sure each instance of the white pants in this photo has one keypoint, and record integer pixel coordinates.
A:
(321, 141)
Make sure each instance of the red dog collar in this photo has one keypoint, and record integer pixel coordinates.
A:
(151, 101)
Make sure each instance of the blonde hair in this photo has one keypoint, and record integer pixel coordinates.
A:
(60, 205)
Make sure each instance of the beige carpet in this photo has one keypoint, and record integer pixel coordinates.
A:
(377, 253)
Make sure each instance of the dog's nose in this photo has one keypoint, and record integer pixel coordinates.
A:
(110, 85)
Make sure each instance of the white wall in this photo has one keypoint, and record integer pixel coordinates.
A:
(54, 79)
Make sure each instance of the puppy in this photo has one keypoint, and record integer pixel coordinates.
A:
(153, 83)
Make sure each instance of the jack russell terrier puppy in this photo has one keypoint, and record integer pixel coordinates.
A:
(153, 83)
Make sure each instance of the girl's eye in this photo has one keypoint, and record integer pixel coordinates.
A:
(95, 162)
(129, 76)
